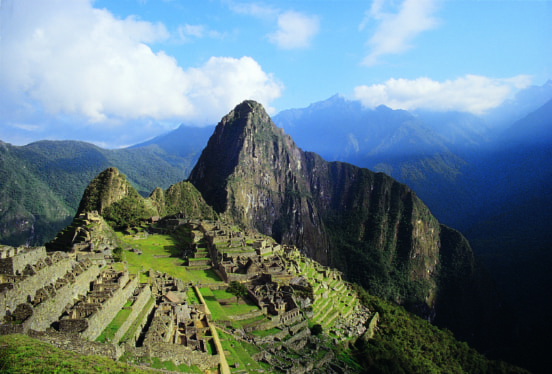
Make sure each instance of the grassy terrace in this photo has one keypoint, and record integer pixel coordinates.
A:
(338, 303)
(109, 332)
(230, 308)
(239, 352)
(132, 329)
(162, 253)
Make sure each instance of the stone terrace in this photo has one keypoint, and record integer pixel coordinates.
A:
(36, 296)
(335, 306)
(92, 312)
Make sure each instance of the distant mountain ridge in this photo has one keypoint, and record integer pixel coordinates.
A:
(42, 183)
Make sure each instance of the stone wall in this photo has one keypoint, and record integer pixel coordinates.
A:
(298, 340)
(50, 310)
(195, 262)
(180, 354)
(24, 290)
(20, 258)
(98, 321)
(139, 325)
(74, 343)
(137, 307)
(301, 325)
(328, 357)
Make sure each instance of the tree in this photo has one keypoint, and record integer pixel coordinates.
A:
(118, 254)
(238, 289)
(316, 329)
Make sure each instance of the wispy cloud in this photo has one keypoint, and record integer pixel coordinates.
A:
(471, 93)
(188, 32)
(67, 58)
(395, 31)
(253, 9)
(295, 30)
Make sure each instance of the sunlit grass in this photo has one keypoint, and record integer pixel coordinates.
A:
(163, 253)
(216, 309)
(250, 321)
(21, 354)
(135, 325)
(268, 332)
(239, 352)
(111, 329)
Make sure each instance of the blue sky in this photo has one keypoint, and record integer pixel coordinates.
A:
(118, 72)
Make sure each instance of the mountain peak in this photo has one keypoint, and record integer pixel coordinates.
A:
(243, 115)
(338, 214)
(245, 140)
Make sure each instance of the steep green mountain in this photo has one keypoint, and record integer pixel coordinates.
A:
(42, 183)
(373, 228)
(119, 205)
(28, 206)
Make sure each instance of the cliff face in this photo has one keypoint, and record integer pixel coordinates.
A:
(366, 224)
(255, 175)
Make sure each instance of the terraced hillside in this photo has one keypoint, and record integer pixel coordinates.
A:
(293, 316)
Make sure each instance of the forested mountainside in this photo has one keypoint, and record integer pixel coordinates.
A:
(42, 183)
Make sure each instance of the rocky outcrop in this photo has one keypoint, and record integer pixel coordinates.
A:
(111, 201)
(107, 188)
(256, 175)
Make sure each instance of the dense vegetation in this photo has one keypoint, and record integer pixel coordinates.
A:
(405, 343)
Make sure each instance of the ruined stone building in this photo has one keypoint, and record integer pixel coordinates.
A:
(275, 300)
(93, 311)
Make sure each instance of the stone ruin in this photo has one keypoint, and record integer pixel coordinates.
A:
(41, 284)
(91, 313)
(275, 300)
(179, 324)
(78, 297)
(69, 303)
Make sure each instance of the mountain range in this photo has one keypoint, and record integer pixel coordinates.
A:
(485, 175)
(367, 225)
(41, 183)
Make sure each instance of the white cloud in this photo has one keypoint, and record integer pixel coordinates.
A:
(253, 9)
(295, 30)
(395, 31)
(223, 82)
(66, 58)
(471, 93)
